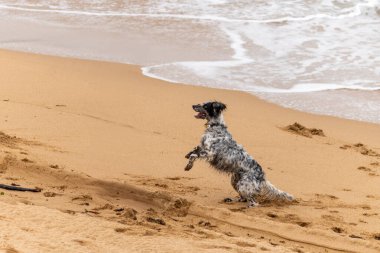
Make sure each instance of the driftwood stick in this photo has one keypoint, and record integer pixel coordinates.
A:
(17, 188)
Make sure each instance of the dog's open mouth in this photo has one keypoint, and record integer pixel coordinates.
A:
(200, 115)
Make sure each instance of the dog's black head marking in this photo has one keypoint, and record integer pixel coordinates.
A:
(209, 110)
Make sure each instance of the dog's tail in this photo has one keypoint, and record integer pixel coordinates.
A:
(270, 193)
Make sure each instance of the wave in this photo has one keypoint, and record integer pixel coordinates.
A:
(297, 88)
(315, 87)
(237, 42)
(351, 12)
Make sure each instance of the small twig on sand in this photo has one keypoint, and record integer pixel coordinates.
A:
(17, 188)
(91, 211)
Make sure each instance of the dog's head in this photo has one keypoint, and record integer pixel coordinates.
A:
(209, 110)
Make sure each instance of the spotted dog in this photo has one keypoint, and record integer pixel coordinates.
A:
(224, 154)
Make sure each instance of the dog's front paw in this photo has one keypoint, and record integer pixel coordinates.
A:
(188, 166)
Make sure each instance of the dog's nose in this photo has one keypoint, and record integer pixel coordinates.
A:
(195, 106)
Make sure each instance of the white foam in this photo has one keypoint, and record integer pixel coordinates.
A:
(207, 69)
(315, 87)
(352, 12)
(237, 45)
(148, 71)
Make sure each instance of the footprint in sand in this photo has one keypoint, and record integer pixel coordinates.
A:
(82, 198)
(156, 220)
(370, 196)
(362, 149)
(334, 218)
(129, 213)
(303, 224)
(229, 234)
(50, 194)
(206, 224)
(104, 207)
(246, 244)
(179, 178)
(91, 212)
(297, 250)
(60, 187)
(338, 230)
(289, 218)
(272, 215)
(299, 129)
(221, 247)
(366, 207)
(69, 212)
(355, 236)
(370, 214)
(149, 233)
(294, 219)
(26, 160)
(366, 169)
(173, 178)
(326, 196)
(362, 168)
(121, 230)
(165, 186)
(81, 242)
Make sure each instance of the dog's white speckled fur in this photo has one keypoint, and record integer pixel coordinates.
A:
(224, 154)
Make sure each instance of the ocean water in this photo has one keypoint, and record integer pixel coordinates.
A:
(316, 56)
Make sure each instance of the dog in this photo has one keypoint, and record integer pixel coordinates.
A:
(223, 153)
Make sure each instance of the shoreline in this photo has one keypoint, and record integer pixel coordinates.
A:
(153, 76)
(303, 73)
(100, 136)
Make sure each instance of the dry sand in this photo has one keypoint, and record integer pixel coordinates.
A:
(107, 147)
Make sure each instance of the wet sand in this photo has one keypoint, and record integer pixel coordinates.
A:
(106, 145)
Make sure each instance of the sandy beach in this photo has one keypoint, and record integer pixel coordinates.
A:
(106, 145)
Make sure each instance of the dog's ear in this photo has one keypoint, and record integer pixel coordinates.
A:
(219, 107)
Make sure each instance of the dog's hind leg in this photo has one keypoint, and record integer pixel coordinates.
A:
(252, 202)
(248, 189)
(235, 178)
(248, 194)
